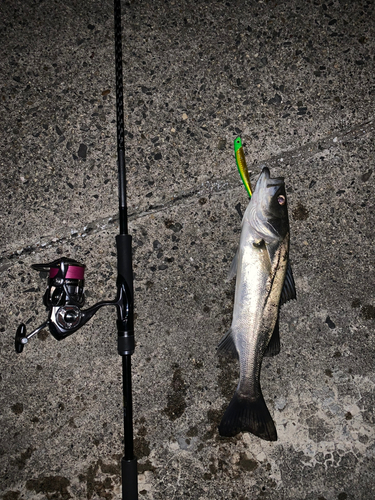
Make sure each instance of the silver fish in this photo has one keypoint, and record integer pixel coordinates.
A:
(264, 281)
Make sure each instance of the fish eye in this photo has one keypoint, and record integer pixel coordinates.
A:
(281, 199)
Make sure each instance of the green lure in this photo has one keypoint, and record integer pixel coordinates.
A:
(241, 165)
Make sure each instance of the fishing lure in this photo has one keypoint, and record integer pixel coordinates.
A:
(241, 165)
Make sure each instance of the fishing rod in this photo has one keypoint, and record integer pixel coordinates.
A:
(64, 297)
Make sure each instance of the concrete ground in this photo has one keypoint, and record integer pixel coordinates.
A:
(296, 81)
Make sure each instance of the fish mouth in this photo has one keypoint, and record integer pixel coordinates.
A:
(265, 176)
(265, 172)
(277, 181)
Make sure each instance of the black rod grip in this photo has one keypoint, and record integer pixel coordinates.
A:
(129, 479)
(124, 260)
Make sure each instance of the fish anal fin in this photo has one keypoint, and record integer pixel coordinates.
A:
(273, 347)
(227, 345)
(289, 288)
(247, 415)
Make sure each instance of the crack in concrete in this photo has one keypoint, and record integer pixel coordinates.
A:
(211, 187)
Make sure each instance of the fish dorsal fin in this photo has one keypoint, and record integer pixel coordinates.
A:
(289, 289)
(227, 345)
(233, 267)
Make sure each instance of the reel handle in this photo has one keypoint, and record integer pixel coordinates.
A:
(21, 338)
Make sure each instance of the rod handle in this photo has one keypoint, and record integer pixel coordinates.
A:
(124, 260)
(129, 479)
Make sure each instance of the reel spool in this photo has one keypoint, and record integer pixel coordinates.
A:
(65, 282)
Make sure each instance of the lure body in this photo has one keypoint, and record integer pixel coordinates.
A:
(241, 165)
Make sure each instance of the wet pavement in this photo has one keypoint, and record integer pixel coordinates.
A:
(296, 81)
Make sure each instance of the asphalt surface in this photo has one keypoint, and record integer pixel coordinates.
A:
(296, 81)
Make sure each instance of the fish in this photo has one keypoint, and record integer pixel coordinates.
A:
(264, 281)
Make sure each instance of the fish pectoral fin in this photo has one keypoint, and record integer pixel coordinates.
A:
(227, 345)
(233, 267)
(247, 415)
(273, 347)
(289, 288)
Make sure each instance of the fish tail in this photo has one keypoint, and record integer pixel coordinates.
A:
(248, 415)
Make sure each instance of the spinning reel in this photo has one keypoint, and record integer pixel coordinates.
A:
(64, 299)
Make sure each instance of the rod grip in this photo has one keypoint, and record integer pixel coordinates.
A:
(125, 325)
(124, 260)
(129, 479)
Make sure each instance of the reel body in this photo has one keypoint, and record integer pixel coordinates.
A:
(64, 299)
